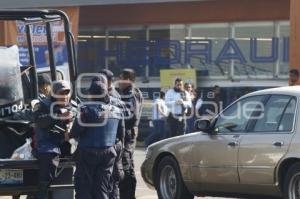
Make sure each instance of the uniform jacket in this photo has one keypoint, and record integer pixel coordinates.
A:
(49, 130)
(98, 125)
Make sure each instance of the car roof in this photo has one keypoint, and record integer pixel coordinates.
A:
(286, 90)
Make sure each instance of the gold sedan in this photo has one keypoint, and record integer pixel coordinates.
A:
(251, 148)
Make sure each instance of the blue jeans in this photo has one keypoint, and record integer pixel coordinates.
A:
(159, 132)
(190, 125)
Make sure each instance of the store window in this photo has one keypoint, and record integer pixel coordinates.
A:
(244, 50)
(127, 47)
(284, 48)
(91, 48)
(258, 47)
(166, 48)
(204, 46)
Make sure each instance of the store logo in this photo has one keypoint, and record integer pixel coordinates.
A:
(167, 52)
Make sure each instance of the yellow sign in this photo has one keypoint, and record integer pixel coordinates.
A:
(168, 76)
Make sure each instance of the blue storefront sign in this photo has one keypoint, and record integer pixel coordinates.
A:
(153, 53)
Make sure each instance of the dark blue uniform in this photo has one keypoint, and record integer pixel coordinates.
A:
(132, 97)
(96, 130)
(50, 136)
(118, 173)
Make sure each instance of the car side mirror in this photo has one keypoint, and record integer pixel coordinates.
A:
(202, 125)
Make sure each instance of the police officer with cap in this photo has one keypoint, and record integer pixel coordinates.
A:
(118, 173)
(111, 89)
(96, 130)
(52, 117)
(132, 97)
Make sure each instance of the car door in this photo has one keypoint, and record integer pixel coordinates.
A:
(267, 140)
(215, 155)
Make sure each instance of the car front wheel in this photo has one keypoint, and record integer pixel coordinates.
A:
(291, 187)
(169, 184)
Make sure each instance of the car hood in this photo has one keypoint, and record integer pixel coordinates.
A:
(175, 145)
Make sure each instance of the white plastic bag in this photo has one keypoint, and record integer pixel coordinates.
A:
(23, 152)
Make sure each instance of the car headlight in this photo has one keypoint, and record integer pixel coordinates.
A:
(148, 152)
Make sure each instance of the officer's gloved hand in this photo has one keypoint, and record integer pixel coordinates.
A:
(68, 116)
(35, 105)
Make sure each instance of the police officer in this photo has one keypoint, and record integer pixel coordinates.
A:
(118, 173)
(111, 89)
(96, 130)
(133, 99)
(44, 86)
(51, 116)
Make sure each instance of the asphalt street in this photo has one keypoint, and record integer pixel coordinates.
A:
(143, 192)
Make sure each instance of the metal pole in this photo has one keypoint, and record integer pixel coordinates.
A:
(33, 73)
(51, 52)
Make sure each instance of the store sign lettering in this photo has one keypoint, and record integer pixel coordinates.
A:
(166, 52)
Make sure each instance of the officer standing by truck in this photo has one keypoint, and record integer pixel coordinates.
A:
(51, 116)
(133, 99)
(96, 129)
(118, 173)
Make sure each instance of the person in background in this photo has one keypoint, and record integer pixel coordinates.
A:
(293, 77)
(133, 99)
(190, 111)
(217, 100)
(189, 87)
(51, 128)
(111, 89)
(198, 104)
(178, 101)
(44, 86)
(96, 129)
(159, 115)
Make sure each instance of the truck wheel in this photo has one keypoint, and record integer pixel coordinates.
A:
(169, 183)
(291, 186)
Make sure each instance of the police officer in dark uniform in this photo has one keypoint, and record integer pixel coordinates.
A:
(133, 99)
(96, 129)
(118, 173)
(44, 86)
(51, 116)
(111, 89)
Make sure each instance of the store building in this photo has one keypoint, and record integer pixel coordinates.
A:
(232, 43)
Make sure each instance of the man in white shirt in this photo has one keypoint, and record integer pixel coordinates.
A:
(178, 101)
(159, 115)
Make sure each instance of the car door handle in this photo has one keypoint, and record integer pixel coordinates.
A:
(278, 144)
(232, 144)
(236, 136)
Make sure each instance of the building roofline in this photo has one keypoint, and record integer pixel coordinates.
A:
(67, 3)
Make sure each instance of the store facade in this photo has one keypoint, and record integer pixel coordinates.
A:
(232, 43)
(239, 45)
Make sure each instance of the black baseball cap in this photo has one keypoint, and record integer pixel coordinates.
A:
(61, 86)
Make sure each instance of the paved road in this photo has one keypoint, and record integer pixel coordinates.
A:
(143, 192)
